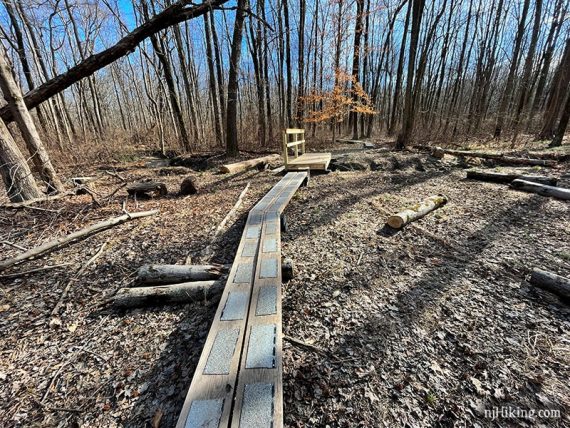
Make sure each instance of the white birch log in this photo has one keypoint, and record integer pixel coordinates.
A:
(412, 214)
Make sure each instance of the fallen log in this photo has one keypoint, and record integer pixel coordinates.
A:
(172, 274)
(232, 168)
(551, 282)
(145, 188)
(541, 189)
(438, 152)
(165, 294)
(63, 241)
(497, 177)
(407, 216)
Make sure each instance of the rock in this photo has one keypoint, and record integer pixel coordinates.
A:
(188, 187)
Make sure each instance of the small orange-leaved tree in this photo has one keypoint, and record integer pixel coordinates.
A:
(346, 95)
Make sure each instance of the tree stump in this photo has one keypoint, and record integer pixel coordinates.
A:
(188, 187)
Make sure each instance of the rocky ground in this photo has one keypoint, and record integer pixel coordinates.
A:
(431, 326)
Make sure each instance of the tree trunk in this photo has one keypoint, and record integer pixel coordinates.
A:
(214, 91)
(562, 125)
(399, 72)
(167, 294)
(16, 174)
(249, 164)
(409, 109)
(353, 116)
(232, 148)
(507, 93)
(38, 153)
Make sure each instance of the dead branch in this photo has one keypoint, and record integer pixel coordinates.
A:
(61, 242)
(75, 277)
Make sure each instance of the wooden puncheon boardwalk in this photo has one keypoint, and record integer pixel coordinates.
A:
(238, 380)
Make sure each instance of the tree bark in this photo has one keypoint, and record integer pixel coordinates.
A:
(407, 216)
(232, 148)
(541, 189)
(551, 282)
(562, 125)
(557, 94)
(409, 108)
(439, 152)
(497, 177)
(16, 174)
(167, 294)
(507, 93)
(172, 274)
(38, 153)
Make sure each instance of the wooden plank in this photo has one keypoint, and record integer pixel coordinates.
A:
(294, 131)
(295, 143)
(213, 385)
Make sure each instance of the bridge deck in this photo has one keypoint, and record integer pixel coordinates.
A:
(239, 374)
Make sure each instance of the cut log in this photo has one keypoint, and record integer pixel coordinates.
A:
(438, 152)
(407, 216)
(165, 294)
(63, 241)
(497, 177)
(232, 168)
(145, 189)
(541, 189)
(172, 274)
(551, 282)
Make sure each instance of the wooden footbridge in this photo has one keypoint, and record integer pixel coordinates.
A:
(238, 380)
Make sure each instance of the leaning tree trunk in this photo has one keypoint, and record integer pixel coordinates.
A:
(16, 174)
(27, 127)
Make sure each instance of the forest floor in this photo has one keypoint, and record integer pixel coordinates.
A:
(427, 327)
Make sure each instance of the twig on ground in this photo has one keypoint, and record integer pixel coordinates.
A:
(207, 252)
(11, 244)
(75, 277)
(26, 272)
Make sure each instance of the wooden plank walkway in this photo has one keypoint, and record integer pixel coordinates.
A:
(238, 379)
